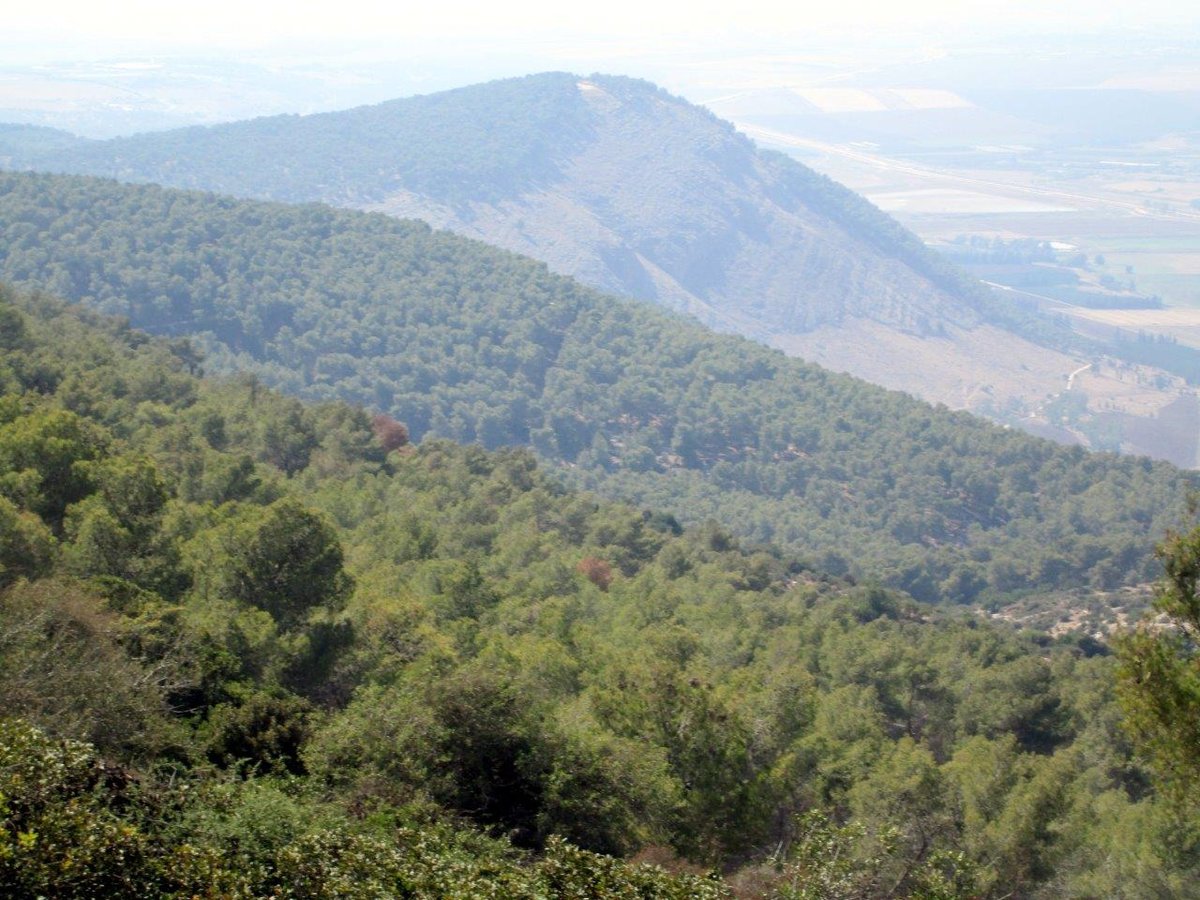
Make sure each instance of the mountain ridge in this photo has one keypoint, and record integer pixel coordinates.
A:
(606, 178)
(465, 341)
(636, 192)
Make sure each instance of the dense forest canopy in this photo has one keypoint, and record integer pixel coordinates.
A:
(462, 341)
(251, 647)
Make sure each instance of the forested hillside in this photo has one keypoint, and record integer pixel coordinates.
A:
(19, 143)
(463, 341)
(253, 648)
(608, 179)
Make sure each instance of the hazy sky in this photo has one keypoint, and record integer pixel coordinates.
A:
(54, 25)
(110, 68)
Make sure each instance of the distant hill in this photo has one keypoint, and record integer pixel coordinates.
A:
(639, 193)
(21, 143)
(608, 179)
(464, 341)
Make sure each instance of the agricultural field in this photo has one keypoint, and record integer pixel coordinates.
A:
(1142, 231)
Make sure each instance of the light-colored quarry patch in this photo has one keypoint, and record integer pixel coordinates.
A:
(954, 201)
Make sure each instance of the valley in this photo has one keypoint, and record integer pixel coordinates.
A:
(1125, 227)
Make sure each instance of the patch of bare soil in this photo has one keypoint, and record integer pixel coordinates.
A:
(967, 369)
(1009, 379)
(1097, 614)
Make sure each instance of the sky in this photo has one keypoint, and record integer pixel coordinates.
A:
(59, 27)
(110, 68)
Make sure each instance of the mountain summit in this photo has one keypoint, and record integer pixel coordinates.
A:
(648, 196)
(609, 179)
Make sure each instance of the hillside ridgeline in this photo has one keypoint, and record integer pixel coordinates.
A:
(607, 179)
(466, 342)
